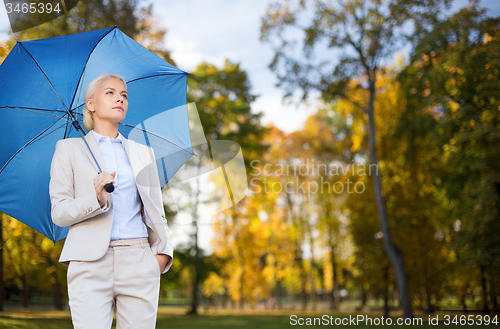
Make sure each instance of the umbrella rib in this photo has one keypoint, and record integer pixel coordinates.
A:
(29, 142)
(80, 80)
(29, 110)
(124, 124)
(158, 75)
(36, 140)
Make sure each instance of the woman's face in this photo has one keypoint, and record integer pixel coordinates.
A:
(109, 102)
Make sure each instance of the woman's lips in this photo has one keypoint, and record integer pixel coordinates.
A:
(118, 108)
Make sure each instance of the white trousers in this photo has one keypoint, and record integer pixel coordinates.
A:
(128, 277)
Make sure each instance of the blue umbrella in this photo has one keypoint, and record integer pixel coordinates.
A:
(41, 101)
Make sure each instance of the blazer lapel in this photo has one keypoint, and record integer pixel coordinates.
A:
(94, 148)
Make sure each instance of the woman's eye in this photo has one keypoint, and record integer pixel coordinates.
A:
(109, 92)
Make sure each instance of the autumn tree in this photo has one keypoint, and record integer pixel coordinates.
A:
(30, 262)
(363, 34)
(283, 271)
(223, 99)
(326, 155)
(452, 84)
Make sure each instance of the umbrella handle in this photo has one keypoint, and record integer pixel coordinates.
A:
(109, 187)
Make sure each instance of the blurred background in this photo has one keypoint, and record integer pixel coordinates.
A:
(371, 137)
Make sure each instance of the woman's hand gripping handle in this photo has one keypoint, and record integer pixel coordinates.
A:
(101, 184)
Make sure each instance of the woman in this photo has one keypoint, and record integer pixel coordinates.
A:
(118, 243)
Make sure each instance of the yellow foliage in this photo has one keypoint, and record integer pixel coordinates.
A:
(213, 285)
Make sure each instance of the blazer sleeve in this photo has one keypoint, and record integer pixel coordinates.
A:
(66, 209)
(169, 250)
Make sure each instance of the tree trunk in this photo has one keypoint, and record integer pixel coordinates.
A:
(494, 294)
(56, 285)
(311, 275)
(335, 296)
(242, 292)
(484, 290)
(194, 292)
(24, 292)
(464, 305)
(364, 296)
(428, 301)
(298, 255)
(394, 253)
(279, 301)
(303, 280)
(224, 295)
(22, 278)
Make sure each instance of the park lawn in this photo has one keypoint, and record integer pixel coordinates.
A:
(170, 318)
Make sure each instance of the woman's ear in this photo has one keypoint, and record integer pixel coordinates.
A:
(89, 105)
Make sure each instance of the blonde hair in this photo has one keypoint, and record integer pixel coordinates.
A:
(88, 121)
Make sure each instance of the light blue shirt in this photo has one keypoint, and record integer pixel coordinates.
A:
(127, 218)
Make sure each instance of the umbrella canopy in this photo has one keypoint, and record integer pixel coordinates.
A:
(41, 91)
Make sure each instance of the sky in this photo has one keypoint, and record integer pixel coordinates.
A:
(213, 30)
(229, 31)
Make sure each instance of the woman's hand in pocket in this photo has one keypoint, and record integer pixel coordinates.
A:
(162, 261)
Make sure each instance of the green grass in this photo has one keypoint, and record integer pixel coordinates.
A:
(173, 318)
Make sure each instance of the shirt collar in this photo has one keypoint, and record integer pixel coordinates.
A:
(98, 137)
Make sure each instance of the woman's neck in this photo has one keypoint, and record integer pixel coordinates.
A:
(106, 129)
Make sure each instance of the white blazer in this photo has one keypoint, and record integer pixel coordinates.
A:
(74, 201)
